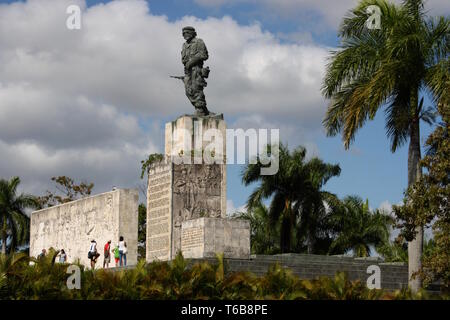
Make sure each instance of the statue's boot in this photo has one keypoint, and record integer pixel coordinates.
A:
(201, 111)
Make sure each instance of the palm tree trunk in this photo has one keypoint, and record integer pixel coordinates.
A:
(310, 243)
(415, 247)
(285, 242)
(286, 228)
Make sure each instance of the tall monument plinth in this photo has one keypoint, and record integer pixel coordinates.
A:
(186, 195)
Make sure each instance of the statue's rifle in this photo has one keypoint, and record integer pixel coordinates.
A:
(178, 77)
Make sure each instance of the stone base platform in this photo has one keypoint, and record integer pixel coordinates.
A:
(204, 237)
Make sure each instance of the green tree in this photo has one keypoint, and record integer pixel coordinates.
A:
(264, 236)
(397, 251)
(146, 164)
(427, 201)
(142, 230)
(68, 191)
(294, 192)
(313, 230)
(389, 67)
(359, 228)
(15, 223)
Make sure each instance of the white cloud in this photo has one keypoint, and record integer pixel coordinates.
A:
(231, 209)
(57, 120)
(386, 206)
(90, 103)
(290, 133)
(123, 56)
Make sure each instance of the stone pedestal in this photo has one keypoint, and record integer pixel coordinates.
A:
(204, 237)
(188, 186)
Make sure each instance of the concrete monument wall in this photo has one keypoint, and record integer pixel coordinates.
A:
(72, 226)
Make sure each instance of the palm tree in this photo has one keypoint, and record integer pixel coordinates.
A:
(294, 190)
(389, 67)
(263, 234)
(396, 251)
(313, 223)
(14, 222)
(359, 228)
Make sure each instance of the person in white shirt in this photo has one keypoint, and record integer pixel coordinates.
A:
(93, 254)
(122, 252)
(62, 256)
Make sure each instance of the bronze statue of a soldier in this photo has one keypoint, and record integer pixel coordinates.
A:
(193, 54)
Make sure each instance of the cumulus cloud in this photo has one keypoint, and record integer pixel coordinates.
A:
(289, 132)
(91, 103)
(232, 209)
(63, 121)
(386, 206)
(124, 54)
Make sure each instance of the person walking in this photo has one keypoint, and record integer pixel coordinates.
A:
(123, 252)
(62, 256)
(107, 254)
(93, 254)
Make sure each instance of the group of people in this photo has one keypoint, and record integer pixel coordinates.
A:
(62, 255)
(120, 253)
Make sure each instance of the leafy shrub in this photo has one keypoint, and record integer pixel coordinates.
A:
(22, 277)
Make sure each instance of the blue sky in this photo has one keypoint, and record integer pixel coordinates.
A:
(300, 30)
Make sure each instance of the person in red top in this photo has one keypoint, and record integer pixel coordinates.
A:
(107, 254)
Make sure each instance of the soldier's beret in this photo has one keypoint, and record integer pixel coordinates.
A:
(188, 28)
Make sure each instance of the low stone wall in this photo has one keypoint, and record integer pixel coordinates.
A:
(393, 275)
